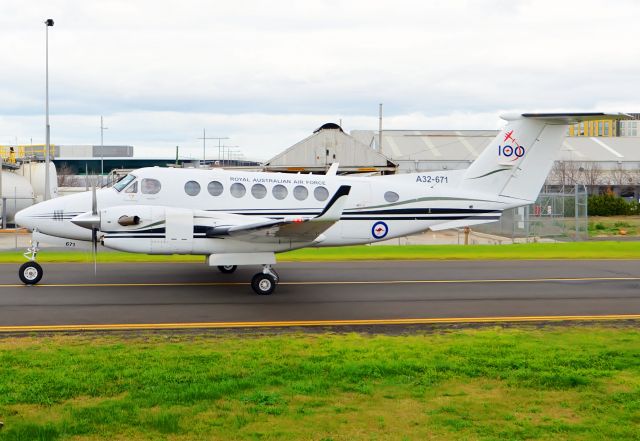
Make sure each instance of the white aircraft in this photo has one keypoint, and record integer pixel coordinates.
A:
(244, 218)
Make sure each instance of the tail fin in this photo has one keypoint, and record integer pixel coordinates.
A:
(517, 162)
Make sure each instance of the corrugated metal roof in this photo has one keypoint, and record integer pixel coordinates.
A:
(327, 146)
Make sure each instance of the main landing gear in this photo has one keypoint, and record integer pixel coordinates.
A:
(227, 269)
(265, 283)
(31, 272)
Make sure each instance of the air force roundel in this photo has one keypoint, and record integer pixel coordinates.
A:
(379, 230)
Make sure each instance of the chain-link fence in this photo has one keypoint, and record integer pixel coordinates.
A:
(559, 213)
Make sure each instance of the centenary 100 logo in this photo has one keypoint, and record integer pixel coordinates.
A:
(508, 150)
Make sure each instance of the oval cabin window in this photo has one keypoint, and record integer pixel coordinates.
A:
(321, 193)
(192, 188)
(279, 192)
(237, 190)
(300, 193)
(150, 186)
(391, 196)
(258, 191)
(215, 188)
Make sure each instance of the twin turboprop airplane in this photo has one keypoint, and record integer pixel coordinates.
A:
(244, 218)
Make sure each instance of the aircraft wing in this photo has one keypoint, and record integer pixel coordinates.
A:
(291, 229)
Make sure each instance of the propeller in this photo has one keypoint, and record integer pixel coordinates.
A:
(91, 221)
(94, 228)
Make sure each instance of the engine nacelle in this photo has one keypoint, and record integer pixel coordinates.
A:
(148, 229)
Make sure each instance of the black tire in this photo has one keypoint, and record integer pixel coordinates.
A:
(227, 269)
(30, 273)
(263, 284)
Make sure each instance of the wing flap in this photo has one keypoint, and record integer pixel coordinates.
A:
(290, 229)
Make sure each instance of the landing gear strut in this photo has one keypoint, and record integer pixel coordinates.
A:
(31, 272)
(265, 283)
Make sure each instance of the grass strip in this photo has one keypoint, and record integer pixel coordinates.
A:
(556, 383)
(569, 250)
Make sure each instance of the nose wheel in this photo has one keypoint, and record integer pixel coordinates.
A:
(30, 273)
(265, 283)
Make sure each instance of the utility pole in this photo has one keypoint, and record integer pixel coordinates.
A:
(47, 191)
(204, 144)
(229, 149)
(102, 129)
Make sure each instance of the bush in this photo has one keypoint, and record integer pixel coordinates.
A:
(611, 205)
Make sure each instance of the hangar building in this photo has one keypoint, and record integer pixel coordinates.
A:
(329, 144)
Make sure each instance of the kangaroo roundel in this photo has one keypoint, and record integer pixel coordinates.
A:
(379, 230)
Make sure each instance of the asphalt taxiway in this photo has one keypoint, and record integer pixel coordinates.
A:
(185, 295)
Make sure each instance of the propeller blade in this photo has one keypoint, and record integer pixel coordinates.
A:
(94, 200)
(94, 230)
(94, 249)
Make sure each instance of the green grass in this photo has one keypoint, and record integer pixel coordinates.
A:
(554, 384)
(612, 226)
(567, 250)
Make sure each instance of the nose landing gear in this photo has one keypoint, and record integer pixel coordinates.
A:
(31, 272)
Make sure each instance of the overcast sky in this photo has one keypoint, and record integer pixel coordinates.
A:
(267, 73)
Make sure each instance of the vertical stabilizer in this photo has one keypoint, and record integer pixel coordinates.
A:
(517, 162)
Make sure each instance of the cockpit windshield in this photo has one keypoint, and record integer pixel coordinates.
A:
(122, 183)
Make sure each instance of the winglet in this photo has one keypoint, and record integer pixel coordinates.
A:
(334, 208)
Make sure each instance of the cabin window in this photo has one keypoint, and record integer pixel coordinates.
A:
(321, 193)
(150, 186)
(215, 188)
(192, 188)
(123, 182)
(391, 196)
(279, 192)
(238, 190)
(300, 192)
(133, 188)
(258, 191)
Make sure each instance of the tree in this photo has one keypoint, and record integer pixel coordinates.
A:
(66, 178)
(620, 176)
(591, 175)
(565, 173)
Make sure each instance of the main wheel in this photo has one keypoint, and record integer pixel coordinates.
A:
(263, 284)
(227, 269)
(30, 273)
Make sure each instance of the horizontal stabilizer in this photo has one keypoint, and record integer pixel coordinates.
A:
(567, 117)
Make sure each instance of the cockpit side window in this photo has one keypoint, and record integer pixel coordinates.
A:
(133, 188)
(122, 183)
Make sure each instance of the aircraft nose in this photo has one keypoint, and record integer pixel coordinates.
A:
(24, 218)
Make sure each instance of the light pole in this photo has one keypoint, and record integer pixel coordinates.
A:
(47, 191)
(102, 129)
